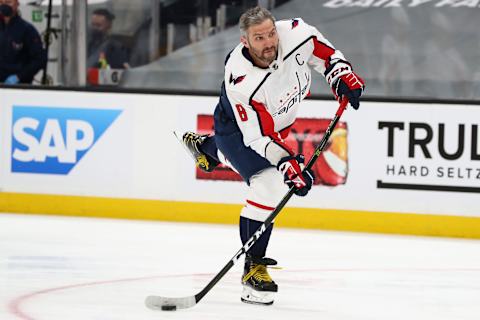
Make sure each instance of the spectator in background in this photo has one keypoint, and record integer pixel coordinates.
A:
(103, 51)
(21, 52)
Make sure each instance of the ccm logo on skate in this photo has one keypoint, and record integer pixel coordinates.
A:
(54, 140)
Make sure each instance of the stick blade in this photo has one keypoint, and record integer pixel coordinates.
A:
(169, 304)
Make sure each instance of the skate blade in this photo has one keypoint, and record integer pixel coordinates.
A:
(183, 146)
(249, 295)
(257, 303)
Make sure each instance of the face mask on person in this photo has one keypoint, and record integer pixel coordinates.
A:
(6, 10)
(96, 34)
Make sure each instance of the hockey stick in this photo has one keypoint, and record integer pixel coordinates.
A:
(172, 304)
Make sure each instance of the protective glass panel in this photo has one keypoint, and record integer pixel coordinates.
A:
(415, 48)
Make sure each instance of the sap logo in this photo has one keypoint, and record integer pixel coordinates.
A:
(54, 140)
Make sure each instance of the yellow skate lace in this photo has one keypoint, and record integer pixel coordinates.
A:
(260, 273)
(202, 162)
(190, 138)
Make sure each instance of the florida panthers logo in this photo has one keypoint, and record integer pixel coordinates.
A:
(294, 23)
(236, 80)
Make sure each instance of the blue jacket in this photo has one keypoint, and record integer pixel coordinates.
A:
(21, 50)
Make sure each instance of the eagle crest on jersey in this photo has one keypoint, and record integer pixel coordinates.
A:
(236, 80)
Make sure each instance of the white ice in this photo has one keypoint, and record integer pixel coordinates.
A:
(98, 269)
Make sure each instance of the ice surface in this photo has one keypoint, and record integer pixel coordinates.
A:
(98, 269)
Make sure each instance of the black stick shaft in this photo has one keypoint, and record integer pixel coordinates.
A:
(250, 242)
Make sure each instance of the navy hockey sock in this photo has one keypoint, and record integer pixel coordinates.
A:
(247, 229)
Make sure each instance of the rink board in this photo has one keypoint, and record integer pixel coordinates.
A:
(411, 168)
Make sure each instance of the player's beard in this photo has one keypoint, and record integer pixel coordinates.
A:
(266, 55)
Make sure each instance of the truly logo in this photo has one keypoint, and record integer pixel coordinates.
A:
(53, 140)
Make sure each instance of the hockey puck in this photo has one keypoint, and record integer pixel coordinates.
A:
(169, 308)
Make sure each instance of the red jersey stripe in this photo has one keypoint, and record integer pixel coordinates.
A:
(321, 50)
(258, 205)
(265, 118)
(267, 125)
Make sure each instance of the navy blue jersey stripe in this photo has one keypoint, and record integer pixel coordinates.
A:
(297, 47)
(251, 104)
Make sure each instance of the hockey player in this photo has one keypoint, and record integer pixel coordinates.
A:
(266, 77)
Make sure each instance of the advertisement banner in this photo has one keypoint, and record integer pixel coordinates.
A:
(331, 167)
(389, 157)
(384, 157)
(435, 155)
(53, 140)
(423, 157)
(72, 143)
(3, 137)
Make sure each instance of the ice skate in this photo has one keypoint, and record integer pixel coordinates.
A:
(192, 142)
(258, 286)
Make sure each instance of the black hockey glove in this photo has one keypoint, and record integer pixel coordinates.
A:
(292, 167)
(351, 86)
(344, 82)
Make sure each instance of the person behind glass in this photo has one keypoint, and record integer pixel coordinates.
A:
(22, 54)
(103, 51)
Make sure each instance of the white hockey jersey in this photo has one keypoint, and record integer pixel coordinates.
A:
(265, 101)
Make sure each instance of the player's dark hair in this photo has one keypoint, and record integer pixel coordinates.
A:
(254, 16)
(104, 12)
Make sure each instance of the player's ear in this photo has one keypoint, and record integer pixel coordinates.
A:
(243, 39)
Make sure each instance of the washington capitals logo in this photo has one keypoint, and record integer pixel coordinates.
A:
(294, 23)
(237, 79)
